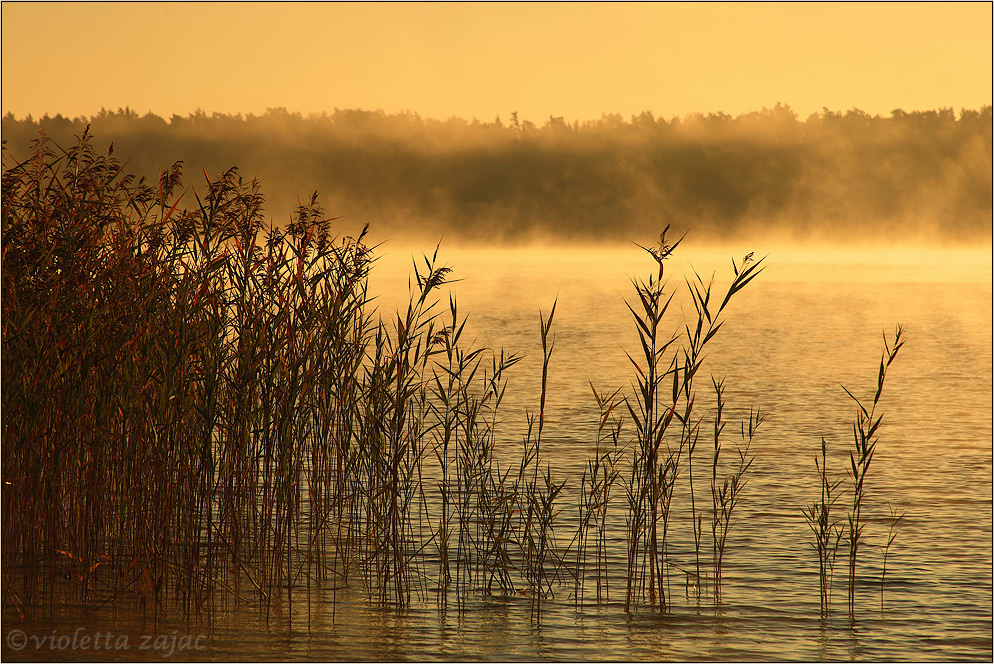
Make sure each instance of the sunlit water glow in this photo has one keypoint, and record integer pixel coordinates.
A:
(812, 322)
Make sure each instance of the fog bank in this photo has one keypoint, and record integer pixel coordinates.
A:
(848, 178)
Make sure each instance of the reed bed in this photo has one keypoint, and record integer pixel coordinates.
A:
(204, 410)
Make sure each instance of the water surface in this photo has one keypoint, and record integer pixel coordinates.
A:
(812, 322)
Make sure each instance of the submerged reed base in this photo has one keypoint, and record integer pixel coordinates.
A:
(201, 410)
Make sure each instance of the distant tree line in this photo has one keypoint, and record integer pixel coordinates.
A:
(843, 176)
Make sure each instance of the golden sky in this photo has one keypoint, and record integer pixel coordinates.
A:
(484, 60)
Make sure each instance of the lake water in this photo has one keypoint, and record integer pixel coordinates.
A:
(812, 322)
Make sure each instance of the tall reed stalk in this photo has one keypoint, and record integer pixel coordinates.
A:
(727, 487)
(596, 484)
(703, 329)
(538, 490)
(826, 530)
(653, 467)
(656, 463)
(865, 428)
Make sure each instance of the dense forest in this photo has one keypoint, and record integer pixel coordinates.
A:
(838, 176)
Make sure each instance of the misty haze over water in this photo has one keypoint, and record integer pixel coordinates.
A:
(810, 323)
(840, 177)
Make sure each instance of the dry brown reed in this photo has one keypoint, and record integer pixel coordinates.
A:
(203, 410)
